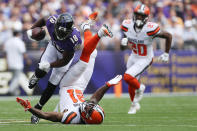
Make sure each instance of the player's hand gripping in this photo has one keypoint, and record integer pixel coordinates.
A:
(114, 81)
(45, 66)
(164, 57)
(26, 104)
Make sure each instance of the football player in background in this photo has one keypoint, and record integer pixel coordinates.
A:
(73, 108)
(139, 34)
(59, 53)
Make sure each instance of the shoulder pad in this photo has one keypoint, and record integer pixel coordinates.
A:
(152, 28)
(125, 25)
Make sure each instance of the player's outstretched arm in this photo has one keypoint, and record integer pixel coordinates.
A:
(98, 95)
(165, 56)
(51, 116)
(168, 37)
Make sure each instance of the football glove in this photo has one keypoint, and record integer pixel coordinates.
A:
(114, 81)
(26, 104)
(29, 34)
(164, 57)
(124, 41)
(45, 66)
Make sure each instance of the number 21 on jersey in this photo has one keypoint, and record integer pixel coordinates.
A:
(140, 49)
(76, 95)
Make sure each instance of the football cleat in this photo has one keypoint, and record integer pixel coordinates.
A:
(134, 108)
(33, 81)
(26, 104)
(91, 21)
(34, 119)
(105, 31)
(114, 81)
(93, 16)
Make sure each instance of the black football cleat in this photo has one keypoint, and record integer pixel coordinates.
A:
(34, 119)
(33, 81)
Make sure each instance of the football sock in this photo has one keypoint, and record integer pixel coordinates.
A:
(132, 81)
(39, 73)
(46, 95)
(133, 85)
(87, 36)
(89, 46)
(131, 93)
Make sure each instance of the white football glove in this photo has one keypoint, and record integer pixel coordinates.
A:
(45, 66)
(164, 57)
(29, 34)
(124, 41)
(114, 81)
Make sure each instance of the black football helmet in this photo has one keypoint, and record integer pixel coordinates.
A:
(63, 26)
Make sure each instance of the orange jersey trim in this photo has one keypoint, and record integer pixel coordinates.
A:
(125, 29)
(151, 33)
(70, 117)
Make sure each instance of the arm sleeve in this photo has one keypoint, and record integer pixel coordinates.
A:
(70, 117)
(153, 29)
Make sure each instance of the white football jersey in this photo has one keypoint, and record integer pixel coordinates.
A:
(141, 42)
(70, 102)
(72, 87)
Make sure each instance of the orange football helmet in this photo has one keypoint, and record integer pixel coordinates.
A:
(92, 113)
(141, 14)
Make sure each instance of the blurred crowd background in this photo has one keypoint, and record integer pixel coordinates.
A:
(179, 17)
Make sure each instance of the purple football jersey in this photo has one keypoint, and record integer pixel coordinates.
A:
(70, 44)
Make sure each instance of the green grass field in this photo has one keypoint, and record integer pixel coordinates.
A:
(174, 113)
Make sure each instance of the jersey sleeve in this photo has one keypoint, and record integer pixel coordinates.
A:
(51, 20)
(125, 25)
(70, 117)
(153, 29)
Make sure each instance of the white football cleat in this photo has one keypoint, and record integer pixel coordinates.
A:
(139, 93)
(134, 108)
(91, 21)
(105, 31)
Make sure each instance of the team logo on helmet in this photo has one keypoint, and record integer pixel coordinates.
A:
(92, 113)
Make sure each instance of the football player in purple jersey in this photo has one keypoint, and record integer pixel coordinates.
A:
(59, 53)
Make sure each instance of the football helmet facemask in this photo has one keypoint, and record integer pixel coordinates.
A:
(92, 113)
(63, 26)
(141, 14)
